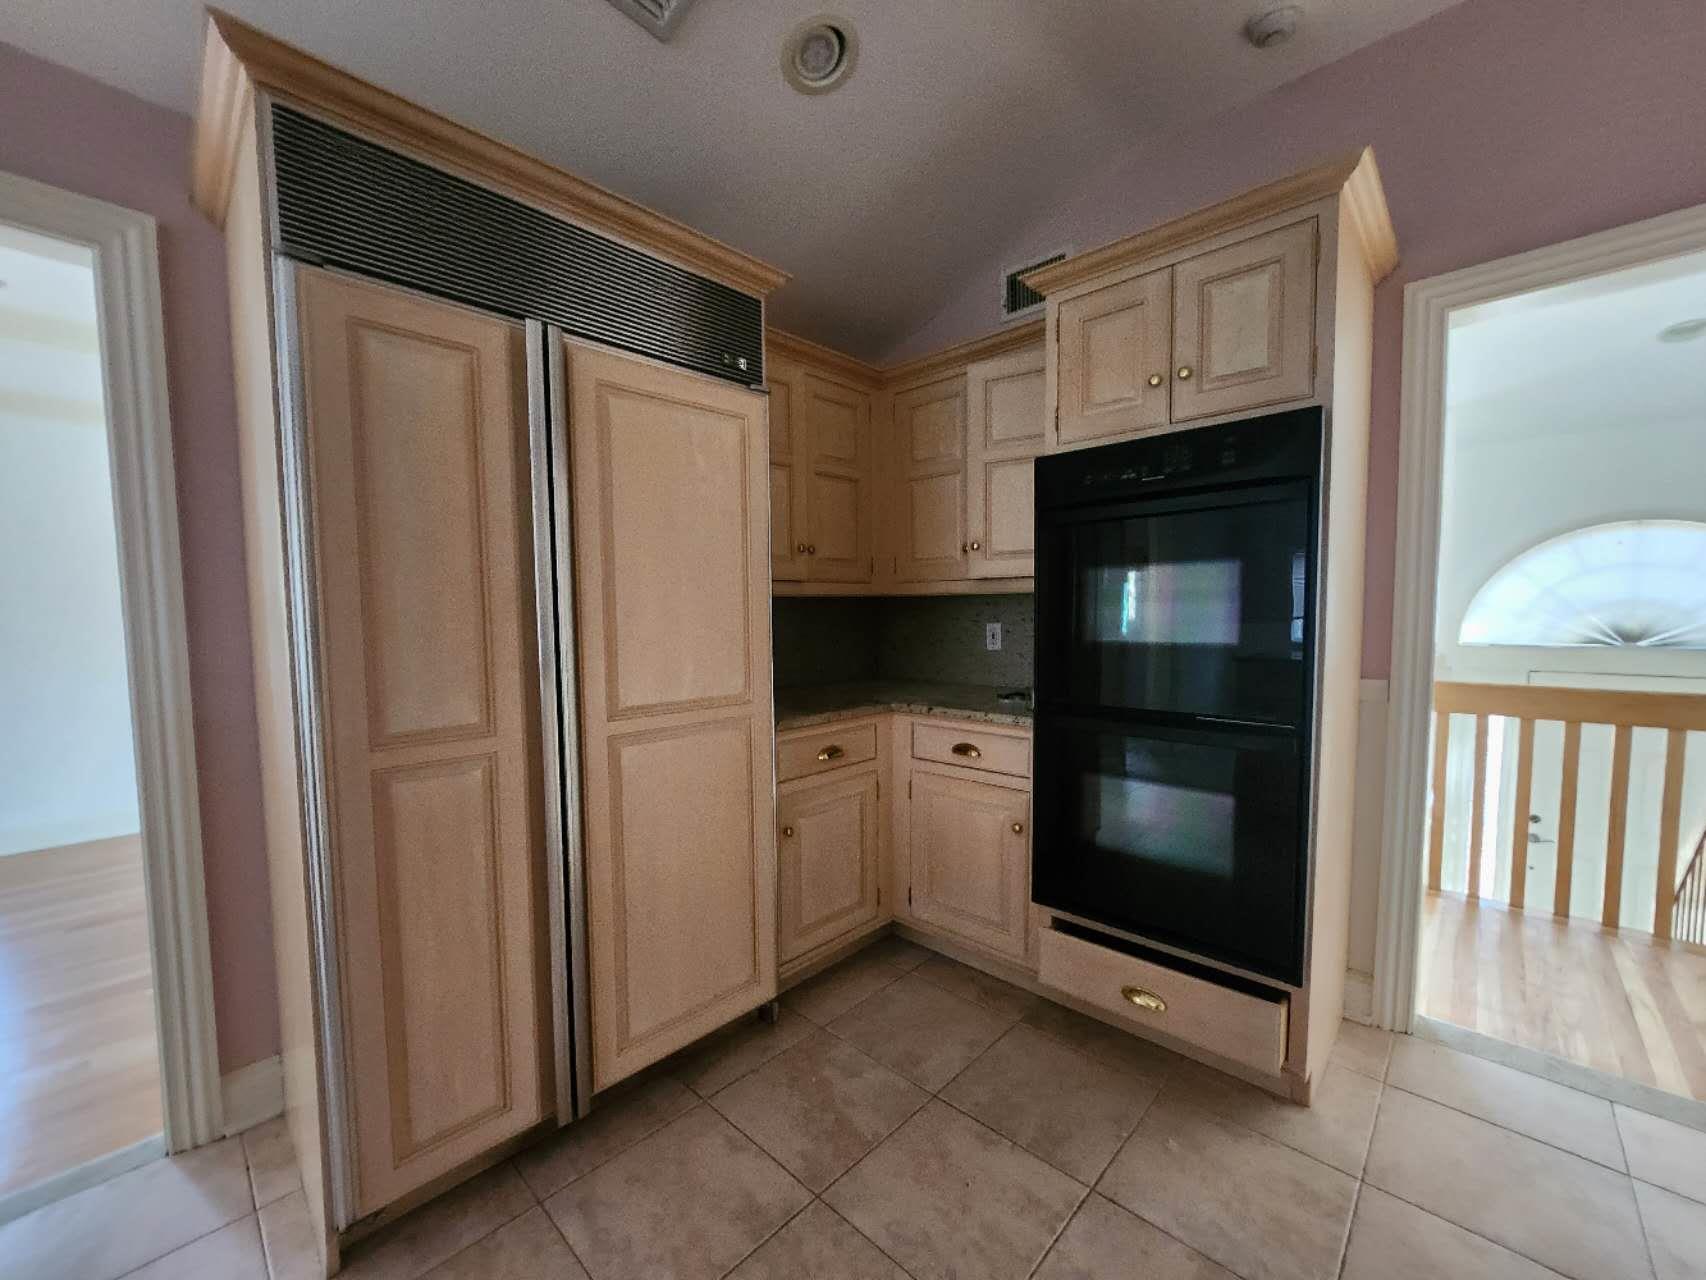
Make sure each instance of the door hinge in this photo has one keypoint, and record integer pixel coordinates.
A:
(909, 788)
(909, 895)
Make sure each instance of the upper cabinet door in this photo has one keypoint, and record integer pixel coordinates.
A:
(930, 480)
(1244, 324)
(836, 421)
(1005, 431)
(1115, 344)
(672, 602)
(789, 493)
(416, 418)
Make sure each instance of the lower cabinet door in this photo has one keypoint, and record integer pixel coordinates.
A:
(826, 860)
(969, 850)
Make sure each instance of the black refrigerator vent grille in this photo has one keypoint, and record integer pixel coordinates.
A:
(347, 203)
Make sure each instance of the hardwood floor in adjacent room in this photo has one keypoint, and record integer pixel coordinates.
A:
(1618, 1002)
(79, 1069)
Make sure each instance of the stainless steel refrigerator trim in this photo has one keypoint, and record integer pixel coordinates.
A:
(550, 723)
(550, 380)
(307, 667)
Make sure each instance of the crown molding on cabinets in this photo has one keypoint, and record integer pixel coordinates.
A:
(1353, 176)
(791, 346)
(999, 343)
(238, 59)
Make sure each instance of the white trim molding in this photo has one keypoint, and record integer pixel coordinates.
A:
(253, 1094)
(1428, 305)
(145, 506)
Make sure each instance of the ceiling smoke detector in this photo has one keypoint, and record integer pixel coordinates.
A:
(1273, 28)
(818, 55)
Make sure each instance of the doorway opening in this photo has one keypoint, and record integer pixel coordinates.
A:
(79, 1053)
(1563, 863)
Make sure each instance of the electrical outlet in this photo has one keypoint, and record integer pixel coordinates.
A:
(992, 636)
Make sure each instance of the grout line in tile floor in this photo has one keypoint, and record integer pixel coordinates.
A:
(1167, 1081)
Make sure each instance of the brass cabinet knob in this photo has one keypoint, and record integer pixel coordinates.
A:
(1155, 379)
(1018, 828)
(831, 752)
(967, 750)
(1184, 372)
(801, 549)
(977, 546)
(811, 548)
(1144, 999)
(787, 831)
(964, 547)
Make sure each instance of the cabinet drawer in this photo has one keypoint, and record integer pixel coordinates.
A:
(1242, 1027)
(825, 749)
(961, 745)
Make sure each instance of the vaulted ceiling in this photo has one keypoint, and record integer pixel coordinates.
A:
(961, 119)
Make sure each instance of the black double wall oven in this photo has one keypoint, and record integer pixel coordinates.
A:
(1176, 588)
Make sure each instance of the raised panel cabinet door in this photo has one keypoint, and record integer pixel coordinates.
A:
(672, 607)
(415, 415)
(837, 427)
(930, 478)
(789, 492)
(970, 859)
(1244, 324)
(1114, 346)
(826, 860)
(1006, 429)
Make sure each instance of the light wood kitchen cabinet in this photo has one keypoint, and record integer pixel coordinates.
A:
(789, 492)
(431, 706)
(827, 859)
(929, 459)
(1005, 431)
(1115, 348)
(969, 858)
(834, 425)
(1244, 324)
(673, 622)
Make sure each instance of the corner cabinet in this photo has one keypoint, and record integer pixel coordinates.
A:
(1004, 434)
(821, 481)
(928, 454)
(827, 860)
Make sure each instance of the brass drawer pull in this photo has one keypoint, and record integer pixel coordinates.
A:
(967, 750)
(1144, 999)
(831, 752)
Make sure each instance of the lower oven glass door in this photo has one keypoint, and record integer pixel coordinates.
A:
(1191, 837)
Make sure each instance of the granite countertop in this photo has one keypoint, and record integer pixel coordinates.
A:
(799, 706)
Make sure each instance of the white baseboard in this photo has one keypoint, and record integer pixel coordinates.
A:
(1359, 997)
(253, 1094)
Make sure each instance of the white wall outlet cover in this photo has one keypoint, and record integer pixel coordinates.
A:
(992, 636)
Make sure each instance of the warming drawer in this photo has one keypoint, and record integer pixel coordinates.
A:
(1241, 1026)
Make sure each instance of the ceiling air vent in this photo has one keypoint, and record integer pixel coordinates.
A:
(1016, 298)
(660, 17)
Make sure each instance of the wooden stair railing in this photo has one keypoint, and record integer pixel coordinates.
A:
(1688, 915)
(1678, 714)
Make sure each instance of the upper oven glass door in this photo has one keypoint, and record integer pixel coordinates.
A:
(1190, 837)
(1193, 605)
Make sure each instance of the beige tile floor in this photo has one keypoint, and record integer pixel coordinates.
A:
(909, 1117)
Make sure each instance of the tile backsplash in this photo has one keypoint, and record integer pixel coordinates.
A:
(931, 638)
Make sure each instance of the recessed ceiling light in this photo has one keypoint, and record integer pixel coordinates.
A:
(1684, 330)
(1273, 27)
(818, 55)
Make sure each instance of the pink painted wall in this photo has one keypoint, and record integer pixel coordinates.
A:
(1499, 126)
(72, 132)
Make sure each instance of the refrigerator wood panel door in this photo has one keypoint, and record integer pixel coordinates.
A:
(672, 601)
(417, 450)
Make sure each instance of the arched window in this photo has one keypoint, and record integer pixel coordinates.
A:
(1633, 583)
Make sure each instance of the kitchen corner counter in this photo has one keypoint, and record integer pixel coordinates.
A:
(801, 706)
